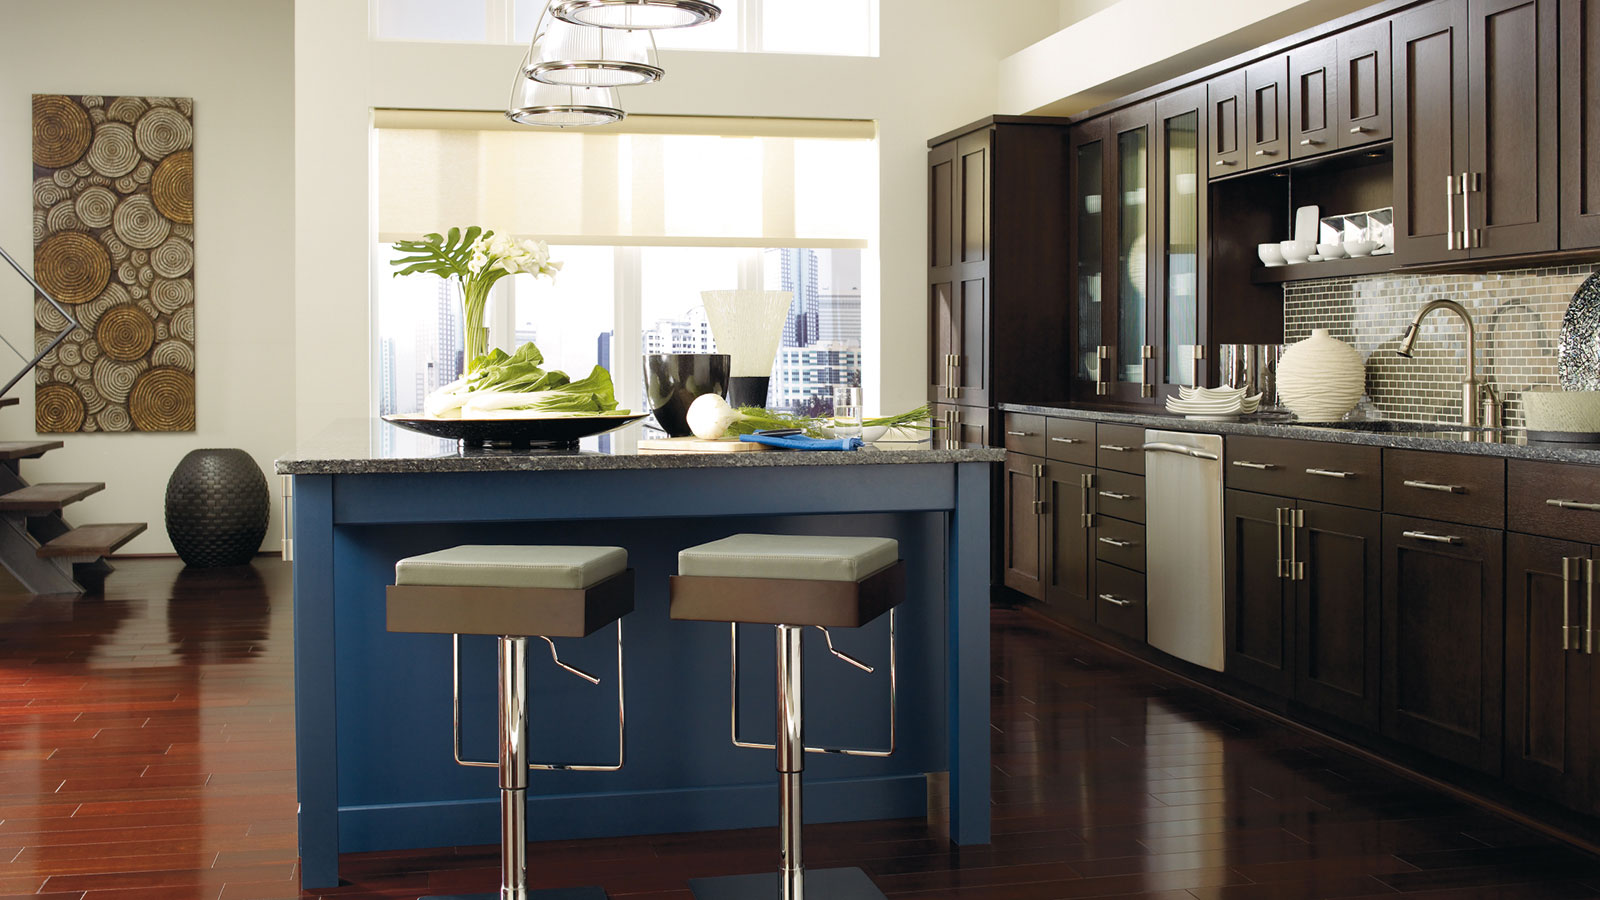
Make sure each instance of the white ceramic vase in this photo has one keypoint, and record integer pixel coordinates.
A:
(1321, 378)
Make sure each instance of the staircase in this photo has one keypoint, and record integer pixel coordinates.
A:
(37, 545)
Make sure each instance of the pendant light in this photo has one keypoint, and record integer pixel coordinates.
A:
(560, 106)
(582, 56)
(636, 15)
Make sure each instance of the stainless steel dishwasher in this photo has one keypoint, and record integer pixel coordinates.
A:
(1183, 545)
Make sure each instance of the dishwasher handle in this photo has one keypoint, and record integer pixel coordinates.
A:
(1162, 447)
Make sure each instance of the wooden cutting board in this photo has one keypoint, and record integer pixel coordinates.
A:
(696, 445)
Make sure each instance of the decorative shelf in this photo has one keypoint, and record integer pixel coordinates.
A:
(1328, 268)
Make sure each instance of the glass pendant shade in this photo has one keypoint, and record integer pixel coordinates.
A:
(636, 15)
(583, 56)
(560, 106)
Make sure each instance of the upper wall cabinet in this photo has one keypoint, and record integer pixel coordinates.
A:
(1313, 98)
(1580, 124)
(1363, 110)
(1266, 113)
(1475, 128)
(1225, 120)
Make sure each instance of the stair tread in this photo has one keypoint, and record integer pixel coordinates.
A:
(9, 401)
(92, 540)
(48, 497)
(27, 449)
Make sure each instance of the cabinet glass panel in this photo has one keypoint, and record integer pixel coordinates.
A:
(1132, 250)
(1091, 261)
(1182, 147)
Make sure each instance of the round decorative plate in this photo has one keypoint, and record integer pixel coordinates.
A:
(1579, 362)
(515, 433)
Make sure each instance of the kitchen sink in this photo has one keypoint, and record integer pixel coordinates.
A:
(1387, 426)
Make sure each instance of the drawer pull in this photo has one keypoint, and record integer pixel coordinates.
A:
(1329, 473)
(1115, 543)
(1113, 495)
(1066, 440)
(1358, 129)
(1441, 488)
(1247, 464)
(1115, 600)
(1266, 153)
(1020, 433)
(1224, 162)
(1573, 504)
(1433, 538)
(1114, 448)
(1308, 142)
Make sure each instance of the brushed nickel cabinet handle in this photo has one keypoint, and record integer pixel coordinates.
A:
(1266, 153)
(1113, 495)
(1086, 484)
(1470, 183)
(1297, 521)
(1115, 600)
(1246, 464)
(1038, 482)
(1020, 433)
(1114, 542)
(1308, 142)
(1147, 384)
(1441, 488)
(1450, 213)
(1224, 162)
(1573, 504)
(1358, 129)
(1433, 538)
(1329, 473)
(1569, 576)
(1102, 358)
(1115, 448)
(1066, 440)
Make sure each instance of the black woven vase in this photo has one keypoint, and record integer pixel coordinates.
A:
(217, 508)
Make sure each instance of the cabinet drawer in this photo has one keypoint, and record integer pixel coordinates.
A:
(1116, 541)
(1070, 440)
(1025, 434)
(1119, 600)
(1120, 495)
(1554, 499)
(1120, 447)
(1449, 487)
(1346, 474)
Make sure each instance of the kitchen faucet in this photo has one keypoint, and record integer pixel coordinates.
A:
(1470, 383)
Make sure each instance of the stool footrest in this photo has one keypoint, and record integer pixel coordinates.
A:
(823, 884)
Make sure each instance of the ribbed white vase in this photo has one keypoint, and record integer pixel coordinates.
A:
(1321, 378)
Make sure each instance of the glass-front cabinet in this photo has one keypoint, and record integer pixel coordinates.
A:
(1139, 267)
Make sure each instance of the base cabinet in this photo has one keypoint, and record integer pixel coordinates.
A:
(1259, 618)
(1337, 588)
(1443, 641)
(1068, 559)
(1023, 553)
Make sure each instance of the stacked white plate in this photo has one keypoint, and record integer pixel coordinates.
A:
(1212, 403)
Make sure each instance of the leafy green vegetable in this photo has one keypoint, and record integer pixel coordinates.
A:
(504, 385)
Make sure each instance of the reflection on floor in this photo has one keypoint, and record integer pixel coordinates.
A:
(146, 751)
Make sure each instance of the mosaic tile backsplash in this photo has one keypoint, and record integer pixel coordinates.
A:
(1518, 313)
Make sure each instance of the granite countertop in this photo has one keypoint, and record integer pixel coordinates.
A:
(1507, 443)
(374, 447)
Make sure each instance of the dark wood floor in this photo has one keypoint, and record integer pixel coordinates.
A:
(146, 752)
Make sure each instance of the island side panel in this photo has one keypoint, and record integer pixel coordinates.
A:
(968, 666)
(315, 675)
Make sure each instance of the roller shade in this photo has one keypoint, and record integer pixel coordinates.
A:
(651, 181)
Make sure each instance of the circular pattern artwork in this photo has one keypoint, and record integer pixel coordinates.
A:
(113, 229)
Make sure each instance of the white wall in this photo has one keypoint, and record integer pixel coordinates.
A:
(235, 60)
(937, 71)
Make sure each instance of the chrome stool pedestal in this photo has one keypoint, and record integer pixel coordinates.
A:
(794, 583)
(515, 593)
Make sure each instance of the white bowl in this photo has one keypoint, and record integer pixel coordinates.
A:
(1270, 254)
(1296, 251)
(870, 434)
(1360, 248)
(1330, 251)
(1572, 411)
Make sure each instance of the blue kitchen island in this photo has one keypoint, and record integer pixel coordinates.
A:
(373, 712)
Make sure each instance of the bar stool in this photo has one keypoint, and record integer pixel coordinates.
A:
(793, 582)
(515, 593)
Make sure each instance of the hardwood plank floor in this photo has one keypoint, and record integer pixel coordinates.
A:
(146, 751)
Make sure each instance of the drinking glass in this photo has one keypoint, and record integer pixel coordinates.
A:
(847, 411)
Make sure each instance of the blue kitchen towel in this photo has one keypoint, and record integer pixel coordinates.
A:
(801, 442)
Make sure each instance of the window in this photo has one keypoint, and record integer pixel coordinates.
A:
(822, 27)
(642, 230)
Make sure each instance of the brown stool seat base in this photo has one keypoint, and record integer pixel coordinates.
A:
(788, 601)
(524, 611)
(823, 884)
(582, 893)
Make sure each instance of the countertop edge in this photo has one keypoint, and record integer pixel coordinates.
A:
(641, 462)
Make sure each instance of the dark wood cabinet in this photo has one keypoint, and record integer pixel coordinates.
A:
(962, 425)
(1550, 669)
(1580, 124)
(1363, 110)
(1024, 547)
(1177, 329)
(1430, 130)
(1443, 639)
(1337, 582)
(1068, 525)
(997, 198)
(1225, 123)
(1314, 98)
(1266, 112)
(1259, 617)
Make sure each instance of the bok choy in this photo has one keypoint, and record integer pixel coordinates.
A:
(516, 386)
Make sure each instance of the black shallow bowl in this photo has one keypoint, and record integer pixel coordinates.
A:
(515, 433)
(673, 381)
